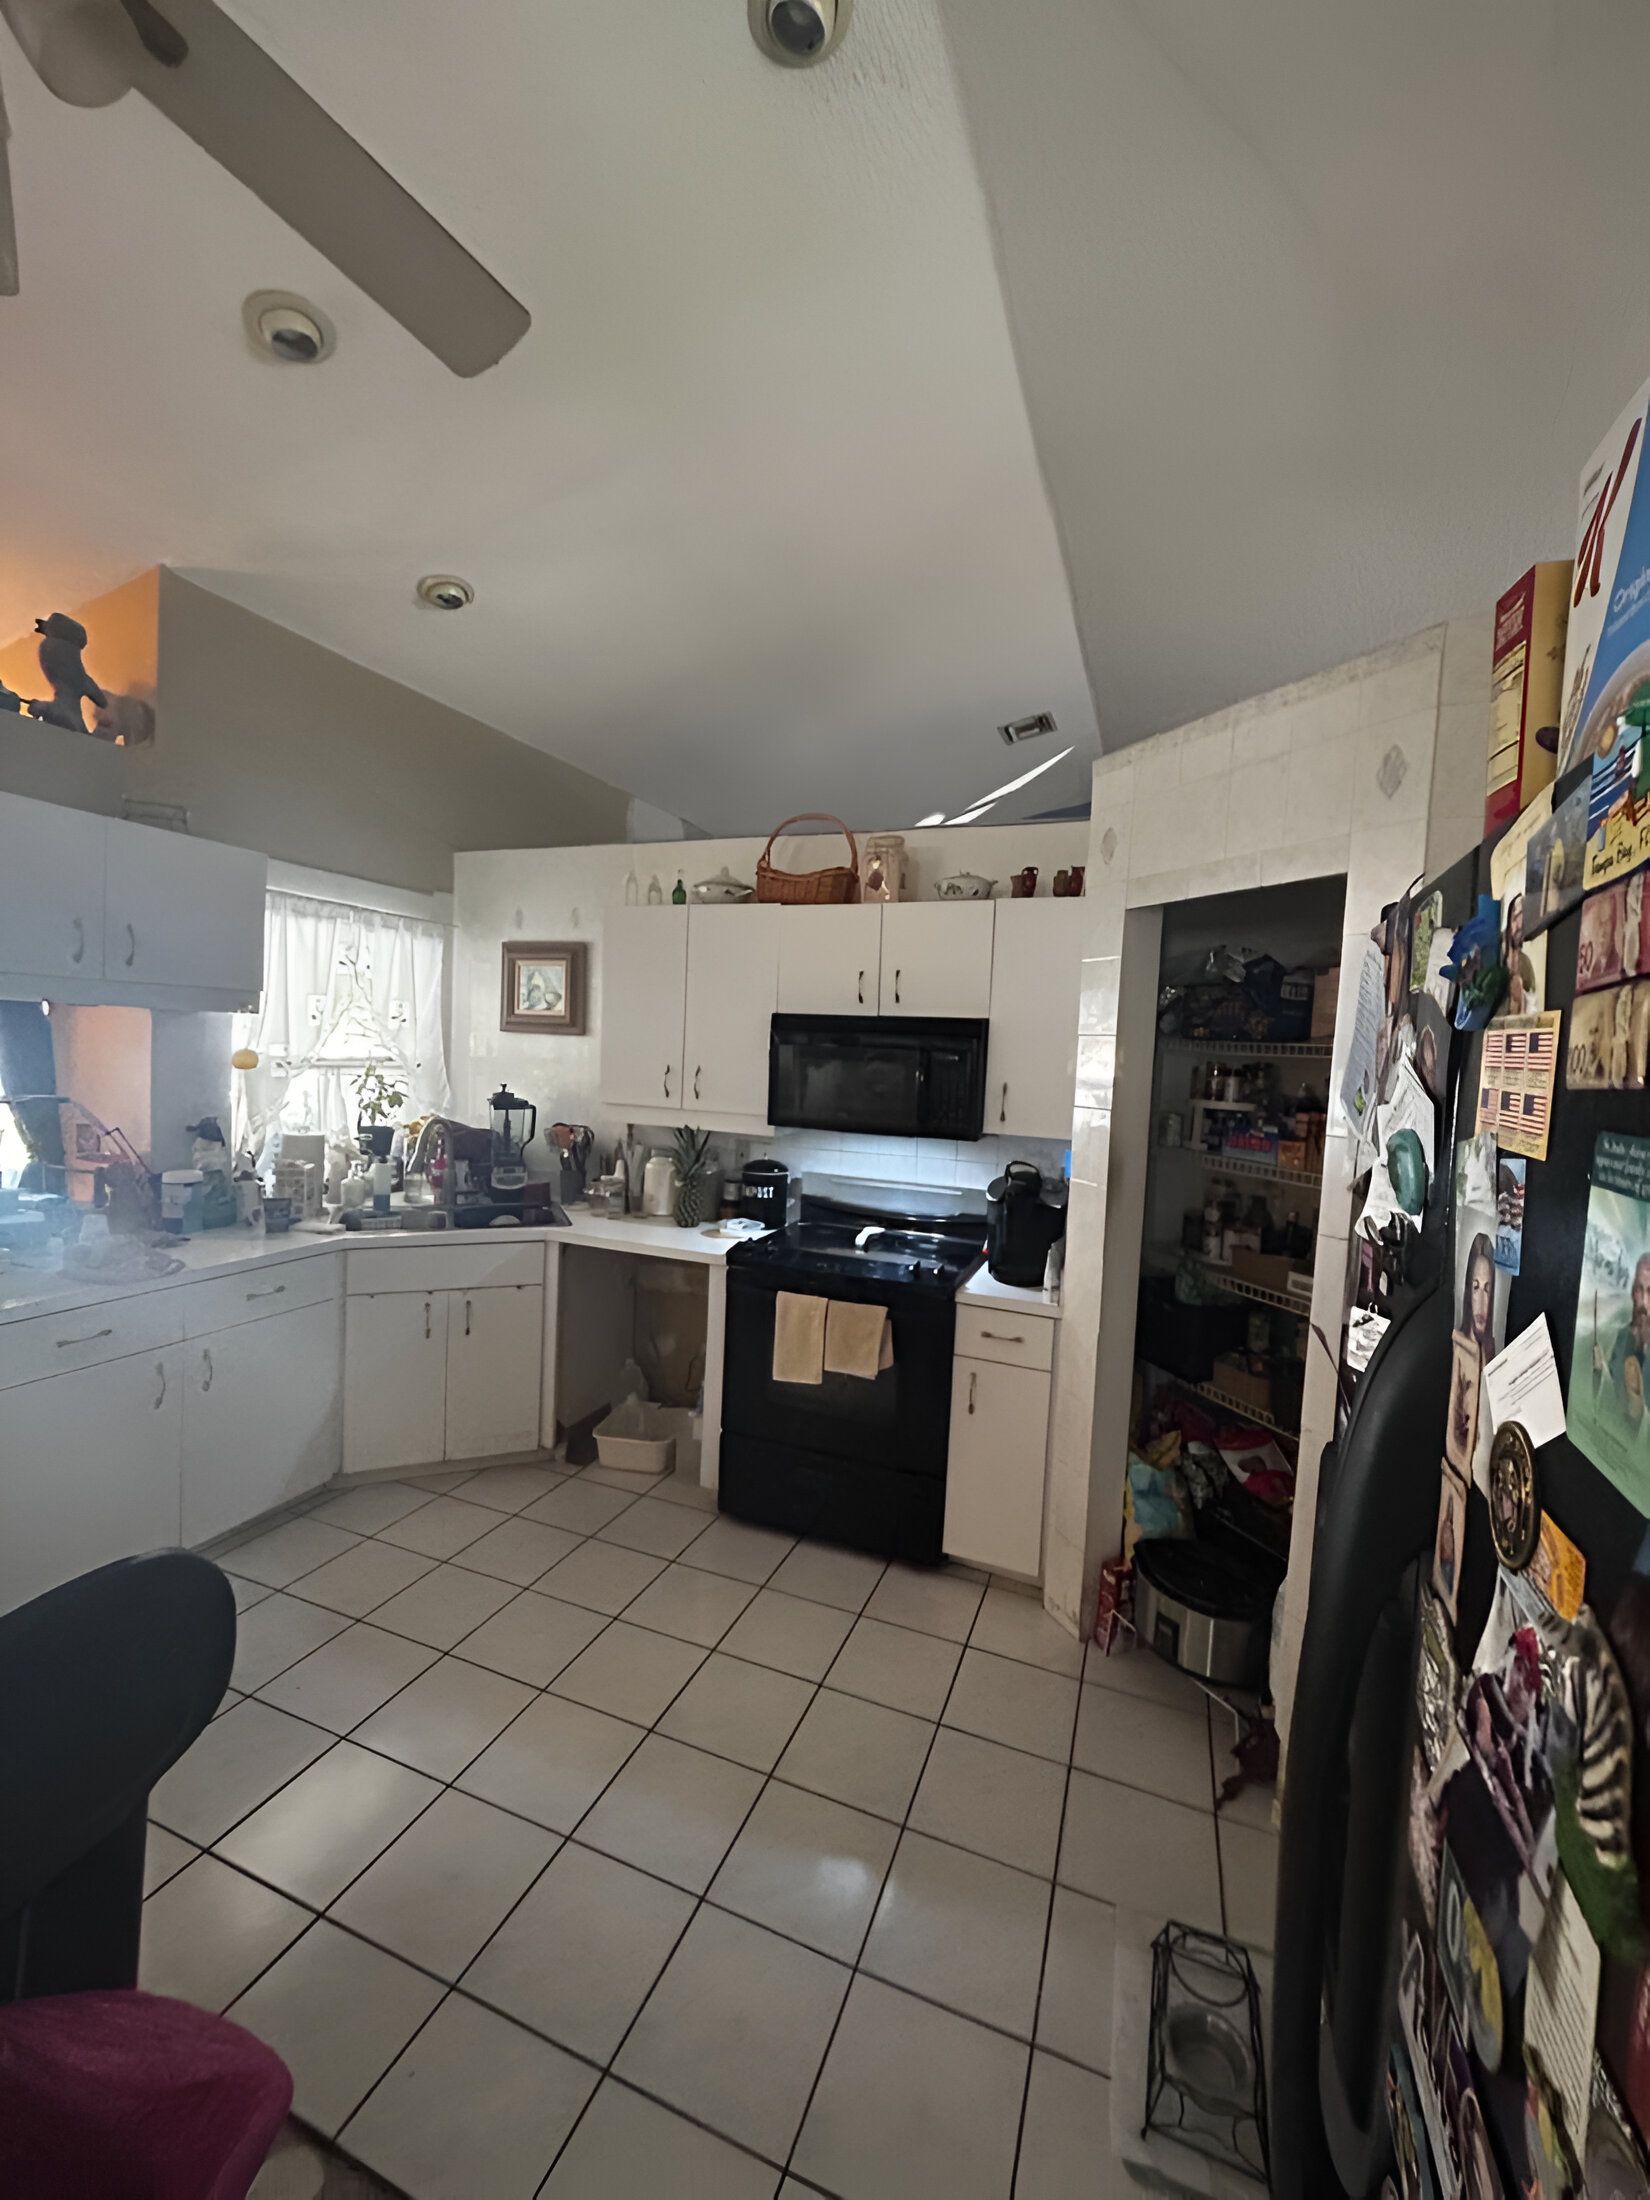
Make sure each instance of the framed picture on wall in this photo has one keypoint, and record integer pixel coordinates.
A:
(543, 986)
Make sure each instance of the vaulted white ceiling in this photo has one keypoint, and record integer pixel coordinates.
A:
(1320, 305)
(1306, 315)
(753, 512)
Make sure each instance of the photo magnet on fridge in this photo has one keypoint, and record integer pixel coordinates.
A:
(1525, 958)
(1606, 1408)
(1511, 1170)
(1450, 1539)
(1554, 863)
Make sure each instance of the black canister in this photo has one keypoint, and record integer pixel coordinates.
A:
(1023, 1218)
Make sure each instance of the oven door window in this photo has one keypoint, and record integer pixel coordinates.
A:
(848, 1083)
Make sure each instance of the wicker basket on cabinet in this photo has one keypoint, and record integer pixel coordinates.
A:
(835, 883)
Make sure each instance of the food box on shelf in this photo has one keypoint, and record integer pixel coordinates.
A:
(1250, 1145)
(1526, 690)
(1294, 1153)
(1270, 1271)
(1252, 1391)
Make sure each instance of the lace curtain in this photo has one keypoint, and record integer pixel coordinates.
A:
(343, 987)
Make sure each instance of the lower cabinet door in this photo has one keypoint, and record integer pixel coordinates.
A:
(994, 1470)
(260, 1418)
(495, 1348)
(88, 1470)
(395, 1380)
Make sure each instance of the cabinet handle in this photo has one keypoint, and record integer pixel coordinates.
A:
(160, 1370)
(206, 1361)
(896, 1004)
(972, 1380)
(862, 989)
(273, 1291)
(426, 1321)
(697, 1067)
(1001, 1336)
(1002, 1111)
(79, 954)
(131, 945)
(92, 1337)
(466, 1317)
(667, 1080)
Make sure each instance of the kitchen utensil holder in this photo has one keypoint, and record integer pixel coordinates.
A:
(1203, 1979)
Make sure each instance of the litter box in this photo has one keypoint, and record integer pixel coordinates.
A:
(637, 1436)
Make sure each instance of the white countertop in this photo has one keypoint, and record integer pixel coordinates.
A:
(26, 1291)
(983, 1289)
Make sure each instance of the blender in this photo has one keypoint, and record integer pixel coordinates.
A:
(514, 1121)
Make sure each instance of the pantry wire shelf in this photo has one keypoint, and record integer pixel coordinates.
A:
(1291, 1302)
(1252, 1050)
(1260, 1172)
(1238, 1407)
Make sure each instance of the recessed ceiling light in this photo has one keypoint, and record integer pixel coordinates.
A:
(797, 33)
(288, 328)
(445, 592)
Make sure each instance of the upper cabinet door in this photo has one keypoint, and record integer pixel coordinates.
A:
(733, 976)
(183, 912)
(643, 986)
(1036, 982)
(936, 958)
(51, 892)
(830, 960)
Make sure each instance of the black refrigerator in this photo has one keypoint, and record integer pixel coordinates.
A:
(1462, 2000)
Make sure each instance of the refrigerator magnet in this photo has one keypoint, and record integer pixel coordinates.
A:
(1553, 863)
(1450, 1539)
(1606, 1405)
(1515, 1506)
(1475, 966)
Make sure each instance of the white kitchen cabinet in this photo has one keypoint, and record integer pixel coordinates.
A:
(995, 1466)
(495, 1348)
(260, 1417)
(434, 1375)
(395, 1380)
(936, 958)
(830, 960)
(1036, 982)
(643, 991)
(51, 893)
(88, 1470)
(182, 912)
(732, 984)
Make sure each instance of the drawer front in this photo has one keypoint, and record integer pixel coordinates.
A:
(447, 1267)
(1003, 1334)
(279, 1287)
(57, 1344)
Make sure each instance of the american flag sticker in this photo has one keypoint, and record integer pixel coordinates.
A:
(1515, 1092)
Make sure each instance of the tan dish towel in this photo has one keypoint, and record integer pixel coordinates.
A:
(858, 1340)
(798, 1338)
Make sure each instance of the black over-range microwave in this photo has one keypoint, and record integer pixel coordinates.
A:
(888, 1076)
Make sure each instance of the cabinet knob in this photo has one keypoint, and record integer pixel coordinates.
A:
(896, 1004)
(79, 954)
(862, 989)
(667, 1080)
(972, 1380)
(1001, 1336)
(466, 1317)
(426, 1320)
(91, 1337)
(160, 1396)
(1002, 1111)
(206, 1362)
(131, 945)
(696, 1069)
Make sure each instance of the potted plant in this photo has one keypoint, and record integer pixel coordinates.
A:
(379, 1099)
(692, 1176)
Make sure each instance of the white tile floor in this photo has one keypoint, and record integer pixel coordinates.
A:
(571, 1841)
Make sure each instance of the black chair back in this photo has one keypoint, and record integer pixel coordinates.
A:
(104, 1683)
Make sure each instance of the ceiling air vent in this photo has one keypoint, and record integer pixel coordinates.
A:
(1027, 729)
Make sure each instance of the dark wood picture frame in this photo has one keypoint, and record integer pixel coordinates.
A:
(518, 957)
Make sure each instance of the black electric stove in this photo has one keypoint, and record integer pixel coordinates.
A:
(849, 1459)
(818, 1255)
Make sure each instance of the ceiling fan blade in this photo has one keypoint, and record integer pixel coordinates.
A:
(237, 104)
(8, 224)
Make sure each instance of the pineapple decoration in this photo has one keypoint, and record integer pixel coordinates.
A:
(692, 1176)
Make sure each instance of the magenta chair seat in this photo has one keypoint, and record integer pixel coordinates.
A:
(130, 2096)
